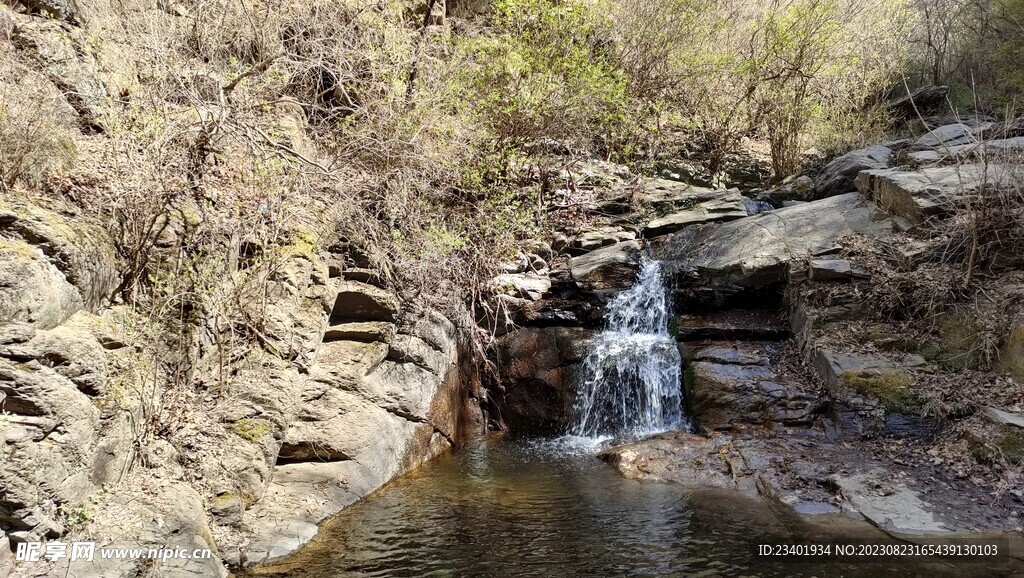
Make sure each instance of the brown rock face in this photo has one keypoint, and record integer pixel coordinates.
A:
(729, 384)
(539, 368)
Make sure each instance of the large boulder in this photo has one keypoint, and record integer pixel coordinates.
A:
(838, 176)
(369, 410)
(741, 260)
(363, 302)
(610, 268)
(161, 514)
(729, 385)
(81, 250)
(921, 100)
(32, 290)
(683, 458)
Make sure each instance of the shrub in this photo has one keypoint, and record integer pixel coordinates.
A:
(35, 134)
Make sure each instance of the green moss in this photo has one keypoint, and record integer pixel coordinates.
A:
(958, 346)
(304, 245)
(1011, 356)
(1009, 447)
(689, 381)
(892, 389)
(250, 429)
(17, 248)
(228, 500)
(1012, 446)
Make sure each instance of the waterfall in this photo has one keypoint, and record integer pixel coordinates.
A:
(632, 368)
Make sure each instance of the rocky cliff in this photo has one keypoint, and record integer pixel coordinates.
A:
(351, 387)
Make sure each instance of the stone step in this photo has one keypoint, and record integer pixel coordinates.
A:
(735, 324)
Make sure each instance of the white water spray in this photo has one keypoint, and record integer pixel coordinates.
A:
(632, 369)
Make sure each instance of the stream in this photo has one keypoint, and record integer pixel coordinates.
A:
(503, 506)
(549, 507)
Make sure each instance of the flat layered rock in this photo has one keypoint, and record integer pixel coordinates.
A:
(919, 194)
(727, 206)
(361, 331)
(727, 386)
(952, 135)
(755, 324)
(592, 240)
(665, 196)
(718, 261)
(1004, 417)
(891, 506)
(358, 301)
(524, 285)
(612, 267)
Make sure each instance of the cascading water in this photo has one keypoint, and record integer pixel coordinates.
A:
(633, 367)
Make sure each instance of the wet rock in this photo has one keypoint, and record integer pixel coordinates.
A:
(741, 260)
(838, 176)
(889, 505)
(734, 324)
(871, 394)
(682, 458)
(539, 370)
(730, 353)
(720, 395)
(609, 268)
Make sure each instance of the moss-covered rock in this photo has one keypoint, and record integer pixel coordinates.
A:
(251, 429)
(958, 342)
(1011, 355)
(1012, 446)
(891, 388)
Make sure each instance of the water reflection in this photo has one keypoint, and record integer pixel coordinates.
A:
(518, 508)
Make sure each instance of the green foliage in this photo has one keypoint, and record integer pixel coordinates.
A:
(545, 73)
